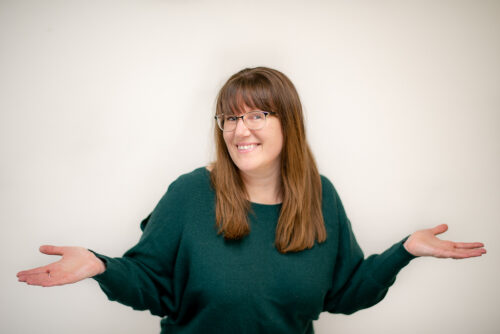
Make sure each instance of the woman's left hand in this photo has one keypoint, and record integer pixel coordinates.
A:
(425, 243)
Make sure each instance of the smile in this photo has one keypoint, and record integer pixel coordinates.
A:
(246, 147)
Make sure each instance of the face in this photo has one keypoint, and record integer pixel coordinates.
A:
(256, 152)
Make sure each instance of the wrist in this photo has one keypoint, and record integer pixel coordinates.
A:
(408, 246)
(101, 266)
(98, 264)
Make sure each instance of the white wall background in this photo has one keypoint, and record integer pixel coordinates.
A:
(104, 103)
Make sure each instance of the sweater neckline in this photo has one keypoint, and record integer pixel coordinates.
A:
(253, 204)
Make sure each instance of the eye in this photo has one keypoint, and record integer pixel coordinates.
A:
(230, 119)
(256, 116)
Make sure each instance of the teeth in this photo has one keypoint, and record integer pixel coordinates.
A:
(246, 147)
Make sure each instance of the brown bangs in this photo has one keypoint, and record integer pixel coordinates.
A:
(252, 91)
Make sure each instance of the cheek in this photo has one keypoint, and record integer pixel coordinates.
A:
(281, 144)
(227, 138)
(278, 145)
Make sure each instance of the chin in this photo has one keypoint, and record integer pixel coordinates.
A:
(247, 168)
(253, 168)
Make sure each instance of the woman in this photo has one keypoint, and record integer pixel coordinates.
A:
(258, 242)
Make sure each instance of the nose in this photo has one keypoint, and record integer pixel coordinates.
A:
(241, 129)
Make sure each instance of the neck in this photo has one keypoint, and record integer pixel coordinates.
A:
(263, 188)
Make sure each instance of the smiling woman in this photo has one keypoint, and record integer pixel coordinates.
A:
(269, 165)
(258, 241)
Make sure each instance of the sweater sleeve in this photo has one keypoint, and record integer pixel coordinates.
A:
(359, 283)
(142, 277)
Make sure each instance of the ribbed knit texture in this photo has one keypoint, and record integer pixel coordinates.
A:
(184, 272)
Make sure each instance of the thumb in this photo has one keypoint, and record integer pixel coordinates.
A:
(439, 229)
(51, 250)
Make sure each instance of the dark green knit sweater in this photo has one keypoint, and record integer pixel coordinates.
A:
(184, 272)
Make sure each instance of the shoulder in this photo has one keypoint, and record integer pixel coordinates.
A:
(328, 190)
(190, 186)
(197, 178)
(187, 191)
(332, 207)
(326, 184)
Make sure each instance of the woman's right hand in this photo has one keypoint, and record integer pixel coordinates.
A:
(76, 264)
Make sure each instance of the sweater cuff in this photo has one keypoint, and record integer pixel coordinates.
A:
(393, 260)
(106, 276)
(403, 249)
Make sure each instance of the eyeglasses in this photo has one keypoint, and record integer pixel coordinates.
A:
(253, 120)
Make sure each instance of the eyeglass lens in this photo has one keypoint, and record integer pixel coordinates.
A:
(253, 120)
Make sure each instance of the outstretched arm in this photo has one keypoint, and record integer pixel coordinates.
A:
(143, 277)
(360, 283)
(425, 243)
(76, 264)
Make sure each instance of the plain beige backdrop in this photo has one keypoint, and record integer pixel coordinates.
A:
(104, 103)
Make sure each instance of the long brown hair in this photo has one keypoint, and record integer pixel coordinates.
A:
(301, 220)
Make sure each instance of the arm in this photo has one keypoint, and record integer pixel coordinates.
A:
(141, 278)
(360, 283)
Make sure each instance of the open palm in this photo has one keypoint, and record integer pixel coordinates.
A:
(77, 263)
(425, 243)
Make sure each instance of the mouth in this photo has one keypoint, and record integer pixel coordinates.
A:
(243, 148)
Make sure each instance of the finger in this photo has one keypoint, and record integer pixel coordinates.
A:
(469, 245)
(439, 229)
(25, 277)
(38, 270)
(52, 250)
(464, 253)
(42, 279)
(33, 279)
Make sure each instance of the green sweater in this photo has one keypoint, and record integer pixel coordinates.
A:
(198, 282)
